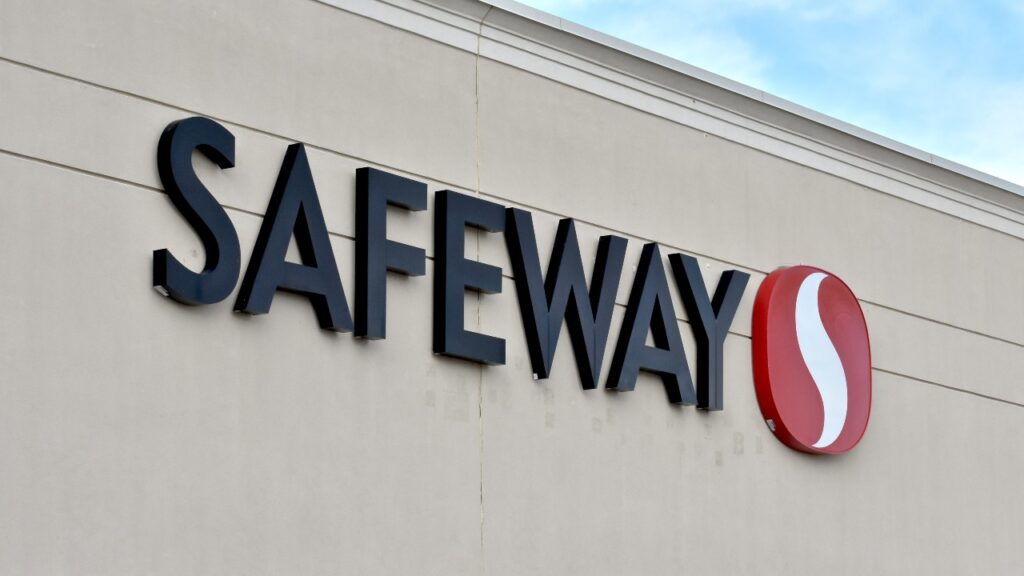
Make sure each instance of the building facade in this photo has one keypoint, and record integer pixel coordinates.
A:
(139, 435)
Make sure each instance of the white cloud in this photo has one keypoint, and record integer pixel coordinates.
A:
(1015, 6)
(695, 38)
(726, 55)
(991, 135)
(816, 9)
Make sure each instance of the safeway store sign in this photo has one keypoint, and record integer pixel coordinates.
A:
(811, 352)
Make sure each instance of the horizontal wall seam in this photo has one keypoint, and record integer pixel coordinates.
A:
(538, 209)
(233, 123)
(617, 304)
(471, 187)
(505, 275)
(947, 387)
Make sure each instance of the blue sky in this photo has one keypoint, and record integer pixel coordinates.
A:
(945, 77)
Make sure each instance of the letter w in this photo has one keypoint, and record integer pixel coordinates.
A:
(544, 304)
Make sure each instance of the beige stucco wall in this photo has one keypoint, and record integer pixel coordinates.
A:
(140, 436)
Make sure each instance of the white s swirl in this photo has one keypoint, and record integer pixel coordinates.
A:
(821, 359)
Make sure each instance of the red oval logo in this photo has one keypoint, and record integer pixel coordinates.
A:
(812, 360)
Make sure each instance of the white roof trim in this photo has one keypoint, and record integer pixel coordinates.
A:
(713, 79)
(540, 43)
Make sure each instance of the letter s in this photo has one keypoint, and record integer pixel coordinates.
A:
(200, 209)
